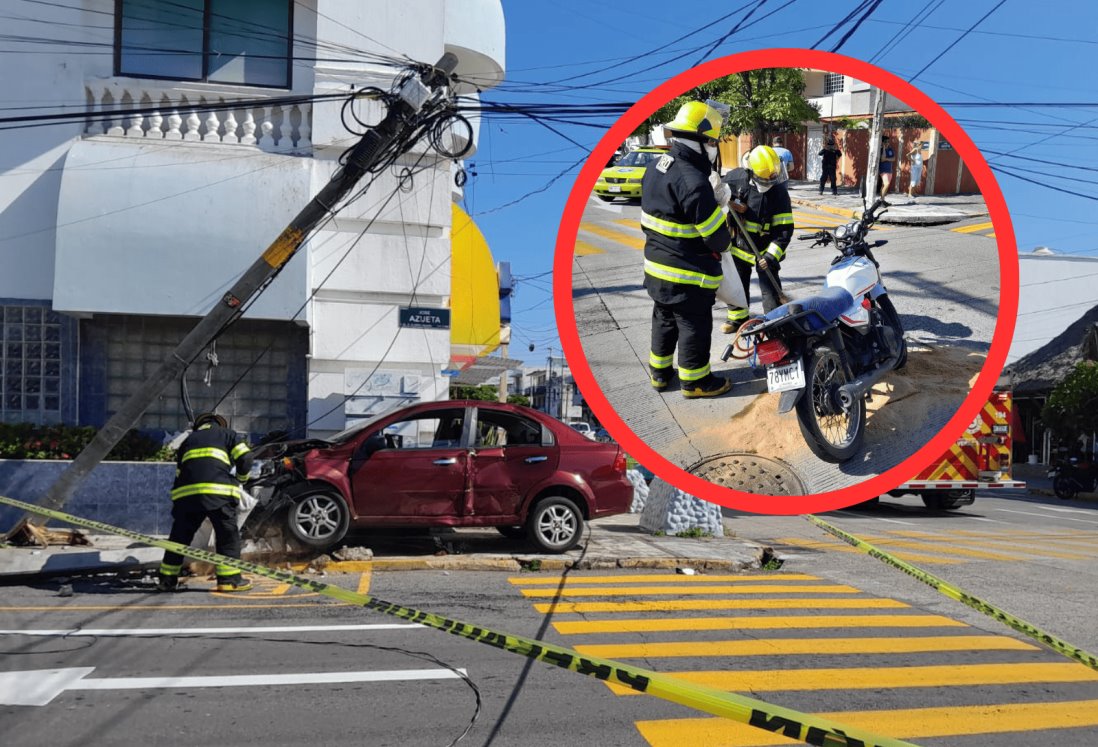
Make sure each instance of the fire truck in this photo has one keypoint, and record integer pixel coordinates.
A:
(979, 460)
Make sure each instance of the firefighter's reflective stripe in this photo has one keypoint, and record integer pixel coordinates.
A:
(752, 226)
(170, 570)
(226, 570)
(240, 450)
(741, 254)
(668, 228)
(693, 374)
(206, 488)
(659, 361)
(781, 219)
(712, 223)
(736, 315)
(775, 251)
(681, 276)
(211, 452)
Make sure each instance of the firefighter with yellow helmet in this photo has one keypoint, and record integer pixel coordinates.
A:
(766, 212)
(685, 233)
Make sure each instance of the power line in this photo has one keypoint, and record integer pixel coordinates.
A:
(957, 40)
(857, 25)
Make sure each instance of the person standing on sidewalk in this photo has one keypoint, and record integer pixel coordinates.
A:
(767, 213)
(916, 158)
(784, 153)
(829, 155)
(685, 232)
(206, 488)
(887, 164)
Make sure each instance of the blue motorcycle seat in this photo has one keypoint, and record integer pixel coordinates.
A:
(829, 304)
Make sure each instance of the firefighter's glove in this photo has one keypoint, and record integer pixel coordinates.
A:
(721, 191)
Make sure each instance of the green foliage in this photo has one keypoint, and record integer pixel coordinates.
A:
(762, 101)
(912, 121)
(29, 441)
(1072, 408)
(850, 123)
(485, 393)
(773, 564)
(693, 533)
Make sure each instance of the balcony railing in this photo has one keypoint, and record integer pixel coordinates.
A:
(207, 117)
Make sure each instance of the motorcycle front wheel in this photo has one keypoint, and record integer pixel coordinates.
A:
(832, 433)
(890, 317)
(1065, 487)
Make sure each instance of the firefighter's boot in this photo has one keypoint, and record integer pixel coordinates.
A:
(710, 386)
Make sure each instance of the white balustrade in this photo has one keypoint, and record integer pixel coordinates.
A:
(134, 109)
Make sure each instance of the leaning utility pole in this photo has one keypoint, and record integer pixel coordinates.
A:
(364, 155)
(872, 169)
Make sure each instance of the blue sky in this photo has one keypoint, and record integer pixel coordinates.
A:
(1035, 62)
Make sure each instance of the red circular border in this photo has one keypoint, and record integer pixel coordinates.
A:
(1008, 281)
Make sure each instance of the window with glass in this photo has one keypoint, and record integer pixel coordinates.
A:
(30, 364)
(833, 83)
(498, 428)
(243, 42)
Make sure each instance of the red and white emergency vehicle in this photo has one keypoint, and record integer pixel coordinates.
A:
(979, 460)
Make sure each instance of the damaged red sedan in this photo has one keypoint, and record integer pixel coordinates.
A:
(450, 464)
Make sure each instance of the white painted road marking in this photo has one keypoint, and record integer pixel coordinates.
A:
(40, 687)
(103, 632)
(1044, 516)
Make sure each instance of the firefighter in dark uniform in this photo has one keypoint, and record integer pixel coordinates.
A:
(206, 488)
(761, 199)
(685, 232)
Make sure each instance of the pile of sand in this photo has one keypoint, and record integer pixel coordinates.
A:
(933, 377)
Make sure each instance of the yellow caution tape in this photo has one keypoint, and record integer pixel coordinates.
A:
(955, 592)
(787, 722)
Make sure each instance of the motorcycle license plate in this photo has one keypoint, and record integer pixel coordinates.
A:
(785, 378)
(615, 189)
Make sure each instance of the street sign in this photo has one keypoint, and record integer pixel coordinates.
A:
(424, 317)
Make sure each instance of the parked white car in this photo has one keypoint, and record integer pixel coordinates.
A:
(584, 428)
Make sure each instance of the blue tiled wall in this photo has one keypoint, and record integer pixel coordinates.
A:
(133, 495)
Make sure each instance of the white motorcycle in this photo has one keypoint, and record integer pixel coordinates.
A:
(825, 352)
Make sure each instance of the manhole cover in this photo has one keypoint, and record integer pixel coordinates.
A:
(750, 473)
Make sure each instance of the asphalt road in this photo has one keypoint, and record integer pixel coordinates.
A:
(944, 281)
(833, 632)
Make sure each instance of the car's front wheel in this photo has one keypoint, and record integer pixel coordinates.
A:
(555, 524)
(319, 520)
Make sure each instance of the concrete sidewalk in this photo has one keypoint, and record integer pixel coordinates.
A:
(920, 210)
(613, 542)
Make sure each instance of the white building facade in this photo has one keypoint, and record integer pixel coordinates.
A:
(118, 232)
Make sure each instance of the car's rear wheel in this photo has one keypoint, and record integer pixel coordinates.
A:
(319, 519)
(512, 532)
(555, 524)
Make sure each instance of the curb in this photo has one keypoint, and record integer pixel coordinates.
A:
(845, 212)
(527, 563)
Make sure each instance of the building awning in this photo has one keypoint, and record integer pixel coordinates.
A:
(474, 293)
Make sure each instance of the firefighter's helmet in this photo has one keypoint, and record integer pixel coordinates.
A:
(210, 417)
(766, 167)
(696, 120)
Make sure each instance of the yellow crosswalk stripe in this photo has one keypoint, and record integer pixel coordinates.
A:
(1015, 545)
(696, 605)
(911, 557)
(787, 622)
(806, 646)
(873, 678)
(908, 723)
(643, 578)
(631, 240)
(973, 228)
(610, 591)
(584, 249)
(634, 224)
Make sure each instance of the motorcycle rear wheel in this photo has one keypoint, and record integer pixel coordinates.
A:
(1065, 487)
(832, 434)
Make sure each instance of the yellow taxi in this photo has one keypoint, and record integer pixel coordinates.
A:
(623, 179)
